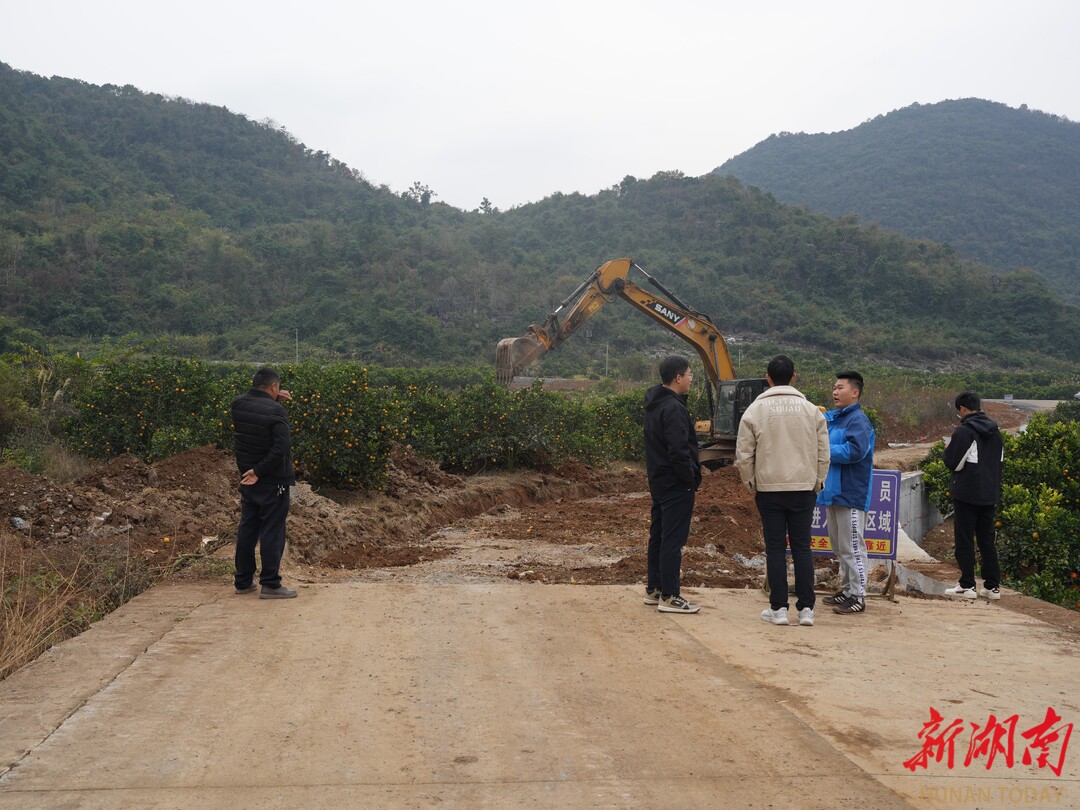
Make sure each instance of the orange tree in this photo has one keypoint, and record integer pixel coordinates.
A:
(1038, 518)
(151, 407)
(343, 426)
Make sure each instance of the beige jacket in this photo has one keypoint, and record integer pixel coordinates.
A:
(783, 443)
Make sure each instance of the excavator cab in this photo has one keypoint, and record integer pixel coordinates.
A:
(734, 398)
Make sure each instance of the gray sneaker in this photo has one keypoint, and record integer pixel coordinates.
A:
(676, 604)
(249, 589)
(277, 593)
(651, 597)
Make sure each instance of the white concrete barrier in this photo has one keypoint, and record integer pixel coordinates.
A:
(917, 515)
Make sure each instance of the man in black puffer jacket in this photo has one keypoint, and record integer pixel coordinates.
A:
(671, 459)
(975, 455)
(264, 459)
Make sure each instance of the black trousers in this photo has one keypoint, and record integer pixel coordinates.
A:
(786, 517)
(975, 525)
(263, 509)
(671, 513)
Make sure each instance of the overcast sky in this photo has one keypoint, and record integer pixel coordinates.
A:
(514, 101)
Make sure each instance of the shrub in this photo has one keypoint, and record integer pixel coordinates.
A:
(153, 408)
(342, 428)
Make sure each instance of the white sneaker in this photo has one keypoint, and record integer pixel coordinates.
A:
(990, 593)
(806, 617)
(774, 616)
(960, 592)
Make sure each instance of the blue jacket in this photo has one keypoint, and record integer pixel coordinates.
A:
(851, 458)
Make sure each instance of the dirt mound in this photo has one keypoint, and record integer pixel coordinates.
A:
(894, 430)
(605, 536)
(189, 503)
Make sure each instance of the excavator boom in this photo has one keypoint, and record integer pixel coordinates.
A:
(608, 282)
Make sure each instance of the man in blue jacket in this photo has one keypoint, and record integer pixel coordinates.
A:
(264, 460)
(846, 495)
(975, 454)
(671, 460)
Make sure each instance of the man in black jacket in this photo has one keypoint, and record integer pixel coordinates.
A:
(264, 459)
(975, 455)
(671, 460)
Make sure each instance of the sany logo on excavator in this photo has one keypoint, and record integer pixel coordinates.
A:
(666, 313)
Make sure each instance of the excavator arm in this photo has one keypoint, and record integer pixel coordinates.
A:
(607, 282)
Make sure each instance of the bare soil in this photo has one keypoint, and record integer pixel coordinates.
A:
(901, 446)
(573, 524)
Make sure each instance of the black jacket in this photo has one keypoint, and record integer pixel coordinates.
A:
(975, 456)
(261, 437)
(671, 451)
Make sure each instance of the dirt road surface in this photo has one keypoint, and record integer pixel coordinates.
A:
(405, 694)
(480, 642)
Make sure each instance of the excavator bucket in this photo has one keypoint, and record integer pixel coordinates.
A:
(514, 354)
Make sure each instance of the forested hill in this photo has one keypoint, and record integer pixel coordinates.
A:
(997, 183)
(126, 212)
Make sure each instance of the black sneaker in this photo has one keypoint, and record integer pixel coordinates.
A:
(277, 593)
(837, 598)
(853, 604)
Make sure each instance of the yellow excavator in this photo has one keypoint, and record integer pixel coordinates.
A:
(728, 397)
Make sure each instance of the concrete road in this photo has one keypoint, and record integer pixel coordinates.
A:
(1032, 405)
(407, 695)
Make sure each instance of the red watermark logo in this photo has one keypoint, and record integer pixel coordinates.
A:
(1046, 743)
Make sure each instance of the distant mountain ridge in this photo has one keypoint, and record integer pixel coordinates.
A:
(129, 213)
(997, 183)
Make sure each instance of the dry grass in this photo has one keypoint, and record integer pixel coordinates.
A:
(914, 405)
(61, 465)
(35, 611)
(45, 601)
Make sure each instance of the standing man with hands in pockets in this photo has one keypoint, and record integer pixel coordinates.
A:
(782, 455)
(671, 460)
(264, 459)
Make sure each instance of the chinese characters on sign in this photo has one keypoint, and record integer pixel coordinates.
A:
(882, 519)
(1046, 746)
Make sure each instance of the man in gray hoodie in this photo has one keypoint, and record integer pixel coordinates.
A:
(782, 455)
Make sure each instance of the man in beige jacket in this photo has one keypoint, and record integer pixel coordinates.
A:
(782, 455)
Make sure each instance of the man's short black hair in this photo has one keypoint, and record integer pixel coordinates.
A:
(969, 400)
(264, 378)
(855, 379)
(781, 369)
(672, 367)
